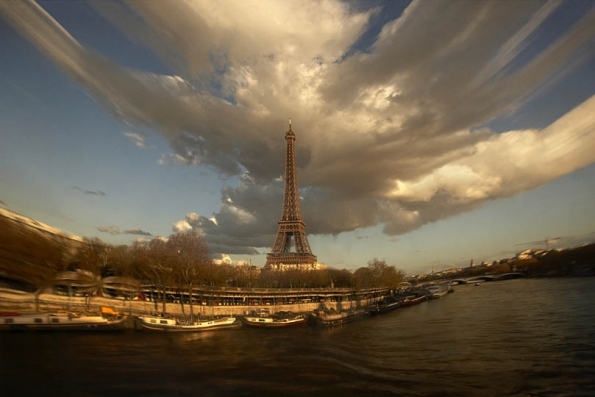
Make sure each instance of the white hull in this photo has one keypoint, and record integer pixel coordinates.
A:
(270, 322)
(172, 325)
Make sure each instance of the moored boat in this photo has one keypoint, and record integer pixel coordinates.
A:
(435, 291)
(331, 318)
(384, 306)
(16, 321)
(163, 324)
(281, 319)
(413, 300)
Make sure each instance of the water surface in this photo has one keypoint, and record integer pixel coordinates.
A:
(533, 337)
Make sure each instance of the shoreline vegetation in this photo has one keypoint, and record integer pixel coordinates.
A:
(40, 269)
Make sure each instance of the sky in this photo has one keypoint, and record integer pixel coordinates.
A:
(428, 133)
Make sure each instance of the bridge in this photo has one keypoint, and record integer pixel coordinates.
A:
(486, 277)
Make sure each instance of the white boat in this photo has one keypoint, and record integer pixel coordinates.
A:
(163, 324)
(16, 321)
(281, 319)
(435, 291)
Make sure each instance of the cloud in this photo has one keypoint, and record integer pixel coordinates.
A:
(91, 192)
(115, 230)
(137, 231)
(391, 134)
(225, 260)
(164, 239)
(111, 229)
(137, 138)
(181, 226)
(220, 235)
(142, 240)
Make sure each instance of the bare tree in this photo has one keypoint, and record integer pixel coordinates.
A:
(157, 267)
(190, 261)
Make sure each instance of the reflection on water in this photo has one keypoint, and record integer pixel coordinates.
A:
(517, 337)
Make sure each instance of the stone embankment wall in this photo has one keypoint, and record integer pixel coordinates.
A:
(20, 301)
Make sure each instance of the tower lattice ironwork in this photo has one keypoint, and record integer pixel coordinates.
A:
(291, 248)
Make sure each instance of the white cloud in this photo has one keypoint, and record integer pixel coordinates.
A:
(181, 226)
(225, 260)
(192, 217)
(136, 138)
(458, 181)
(142, 240)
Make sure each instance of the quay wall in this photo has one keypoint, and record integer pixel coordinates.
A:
(21, 301)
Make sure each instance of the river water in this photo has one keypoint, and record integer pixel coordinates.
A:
(533, 337)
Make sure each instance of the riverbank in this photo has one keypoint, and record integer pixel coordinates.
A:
(24, 301)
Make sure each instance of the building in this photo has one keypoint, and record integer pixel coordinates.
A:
(291, 249)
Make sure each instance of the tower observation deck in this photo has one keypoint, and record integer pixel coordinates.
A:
(291, 249)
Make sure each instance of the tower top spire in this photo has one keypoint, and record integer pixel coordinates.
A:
(289, 124)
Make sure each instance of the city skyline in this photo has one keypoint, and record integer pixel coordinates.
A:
(426, 135)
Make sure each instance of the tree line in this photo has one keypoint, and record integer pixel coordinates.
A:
(181, 262)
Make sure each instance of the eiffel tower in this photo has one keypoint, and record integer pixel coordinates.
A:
(291, 249)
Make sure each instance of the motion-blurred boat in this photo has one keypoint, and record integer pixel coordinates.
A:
(163, 324)
(435, 291)
(331, 318)
(413, 300)
(110, 320)
(264, 319)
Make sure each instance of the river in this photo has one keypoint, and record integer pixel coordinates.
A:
(524, 337)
